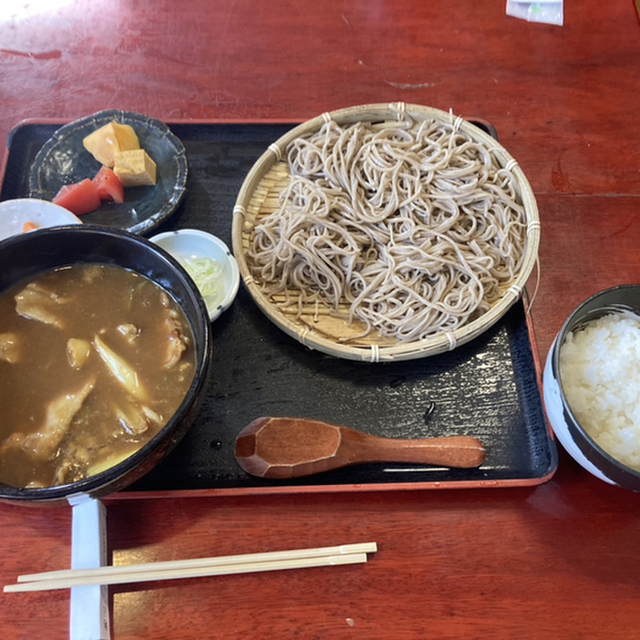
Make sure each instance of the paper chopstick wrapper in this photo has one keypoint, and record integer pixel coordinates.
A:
(89, 608)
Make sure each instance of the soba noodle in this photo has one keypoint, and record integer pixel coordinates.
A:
(413, 230)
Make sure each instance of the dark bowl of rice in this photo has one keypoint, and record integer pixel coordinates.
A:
(592, 385)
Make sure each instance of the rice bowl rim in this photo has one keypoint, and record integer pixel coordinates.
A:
(242, 227)
(616, 470)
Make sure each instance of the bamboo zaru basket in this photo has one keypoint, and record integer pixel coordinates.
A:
(315, 325)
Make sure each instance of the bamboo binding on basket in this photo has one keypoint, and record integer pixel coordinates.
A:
(315, 327)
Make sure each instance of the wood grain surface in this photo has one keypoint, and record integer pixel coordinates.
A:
(555, 561)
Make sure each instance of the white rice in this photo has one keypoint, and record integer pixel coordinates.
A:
(600, 371)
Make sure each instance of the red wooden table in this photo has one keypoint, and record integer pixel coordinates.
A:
(557, 560)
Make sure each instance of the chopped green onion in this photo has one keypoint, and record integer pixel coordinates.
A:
(206, 274)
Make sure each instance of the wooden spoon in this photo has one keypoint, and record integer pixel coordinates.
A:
(295, 447)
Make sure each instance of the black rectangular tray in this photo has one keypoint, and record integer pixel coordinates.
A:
(487, 388)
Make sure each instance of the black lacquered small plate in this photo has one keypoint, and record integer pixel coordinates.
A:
(63, 160)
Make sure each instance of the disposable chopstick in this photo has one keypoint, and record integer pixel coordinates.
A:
(194, 572)
(197, 567)
(215, 561)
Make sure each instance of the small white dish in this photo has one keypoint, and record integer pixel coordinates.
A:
(14, 214)
(187, 245)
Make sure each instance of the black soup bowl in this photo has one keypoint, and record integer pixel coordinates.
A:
(27, 254)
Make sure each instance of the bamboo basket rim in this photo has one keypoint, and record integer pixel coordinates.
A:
(306, 335)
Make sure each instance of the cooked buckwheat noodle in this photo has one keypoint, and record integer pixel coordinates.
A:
(413, 230)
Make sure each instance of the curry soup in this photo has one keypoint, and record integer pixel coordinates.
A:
(94, 360)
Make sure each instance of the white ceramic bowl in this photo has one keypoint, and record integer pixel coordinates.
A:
(193, 244)
(571, 434)
(14, 214)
